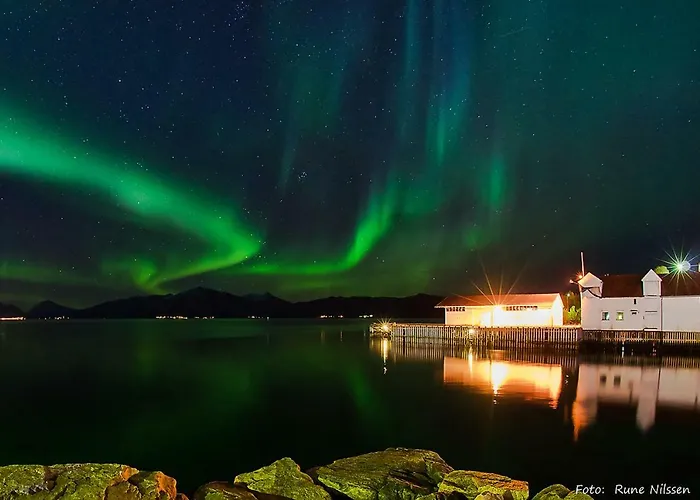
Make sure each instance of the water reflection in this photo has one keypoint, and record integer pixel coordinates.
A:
(385, 352)
(413, 351)
(646, 388)
(506, 378)
(578, 385)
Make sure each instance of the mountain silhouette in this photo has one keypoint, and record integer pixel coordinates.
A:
(205, 302)
(10, 311)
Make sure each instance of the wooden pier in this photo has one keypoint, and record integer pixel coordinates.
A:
(562, 336)
(556, 335)
(640, 337)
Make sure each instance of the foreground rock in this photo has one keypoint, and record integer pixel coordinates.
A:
(393, 474)
(85, 481)
(222, 491)
(396, 473)
(471, 484)
(554, 492)
(284, 479)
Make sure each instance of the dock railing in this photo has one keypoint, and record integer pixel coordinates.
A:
(561, 335)
(567, 335)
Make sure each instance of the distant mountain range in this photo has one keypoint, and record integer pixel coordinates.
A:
(204, 302)
(10, 311)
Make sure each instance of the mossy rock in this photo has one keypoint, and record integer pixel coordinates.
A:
(25, 480)
(471, 484)
(222, 491)
(85, 481)
(487, 495)
(578, 496)
(393, 474)
(282, 478)
(554, 492)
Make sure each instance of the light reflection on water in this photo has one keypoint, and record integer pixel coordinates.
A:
(505, 378)
(647, 388)
(617, 383)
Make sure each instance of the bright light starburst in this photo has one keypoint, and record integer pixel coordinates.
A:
(678, 263)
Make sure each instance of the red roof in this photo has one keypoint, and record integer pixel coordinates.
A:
(527, 299)
(622, 285)
(630, 285)
(677, 285)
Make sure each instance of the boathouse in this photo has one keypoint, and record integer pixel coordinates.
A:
(635, 302)
(512, 310)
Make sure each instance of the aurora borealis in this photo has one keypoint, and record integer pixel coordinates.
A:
(337, 147)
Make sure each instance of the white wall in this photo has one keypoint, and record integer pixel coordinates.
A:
(651, 286)
(681, 314)
(638, 313)
(593, 309)
(557, 313)
(537, 317)
(472, 316)
(590, 312)
(678, 314)
(492, 316)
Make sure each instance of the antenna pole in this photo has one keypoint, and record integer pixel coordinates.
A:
(583, 267)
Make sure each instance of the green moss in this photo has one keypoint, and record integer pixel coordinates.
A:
(578, 496)
(554, 492)
(282, 478)
(222, 491)
(84, 481)
(472, 483)
(393, 474)
(22, 480)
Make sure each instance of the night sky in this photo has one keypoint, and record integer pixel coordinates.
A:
(336, 147)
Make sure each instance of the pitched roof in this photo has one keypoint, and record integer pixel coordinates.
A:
(527, 299)
(622, 285)
(676, 285)
(630, 285)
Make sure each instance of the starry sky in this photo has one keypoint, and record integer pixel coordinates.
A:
(342, 147)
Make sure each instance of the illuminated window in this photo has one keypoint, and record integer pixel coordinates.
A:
(620, 316)
(606, 316)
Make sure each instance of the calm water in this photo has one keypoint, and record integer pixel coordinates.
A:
(209, 399)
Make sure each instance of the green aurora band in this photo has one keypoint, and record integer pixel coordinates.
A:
(28, 150)
(425, 157)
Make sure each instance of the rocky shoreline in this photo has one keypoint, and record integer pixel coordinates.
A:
(393, 474)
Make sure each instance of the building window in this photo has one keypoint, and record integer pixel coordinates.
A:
(617, 380)
(634, 312)
(606, 316)
(521, 308)
(620, 316)
(635, 302)
(603, 379)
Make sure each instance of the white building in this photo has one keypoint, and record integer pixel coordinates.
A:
(535, 309)
(631, 302)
